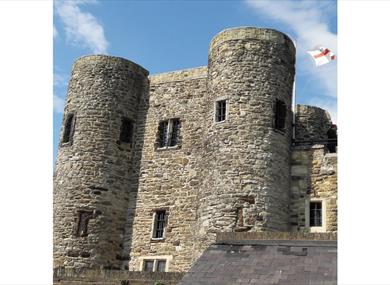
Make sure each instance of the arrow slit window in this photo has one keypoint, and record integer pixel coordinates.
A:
(280, 115)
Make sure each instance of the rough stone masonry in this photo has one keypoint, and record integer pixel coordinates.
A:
(209, 149)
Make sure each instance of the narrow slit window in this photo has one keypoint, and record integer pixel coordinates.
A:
(126, 133)
(159, 224)
(280, 115)
(82, 223)
(69, 128)
(220, 111)
(316, 214)
(175, 132)
(240, 217)
(163, 134)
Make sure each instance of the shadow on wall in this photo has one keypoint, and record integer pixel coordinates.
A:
(135, 172)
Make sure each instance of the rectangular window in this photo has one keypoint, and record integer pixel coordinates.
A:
(220, 111)
(148, 265)
(159, 224)
(169, 133)
(280, 115)
(161, 265)
(126, 133)
(174, 137)
(69, 128)
(316, 214)
(154, 265)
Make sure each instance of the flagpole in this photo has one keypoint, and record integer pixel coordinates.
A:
(293, 95)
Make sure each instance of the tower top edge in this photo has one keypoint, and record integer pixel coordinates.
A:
(250, 32)
(86, 59)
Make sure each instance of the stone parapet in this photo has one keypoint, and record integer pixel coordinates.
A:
(179, 75)
(70, 276)
(237, 236)
(253, 33)
(114, 60)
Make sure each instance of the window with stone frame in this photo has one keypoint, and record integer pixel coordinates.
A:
(169, 133)
(159, 223)
(315, 214)
(280, 115)
(148, 265)
(220, 110)
(154, 265)
(68, 128)
(127, 128)
(82, 220)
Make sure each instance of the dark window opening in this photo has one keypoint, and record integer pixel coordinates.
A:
(240, 217)
(169, 133)
(280, 115)
(163, 134)
(82, 223)
(316, 214)
(159, 224)
(161, 265)
(332, 139)
(69, 128)
(126, 131)
(148, 265)
(220, 111)
(174, 138)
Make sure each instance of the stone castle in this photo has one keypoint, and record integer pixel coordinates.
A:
(151, 168)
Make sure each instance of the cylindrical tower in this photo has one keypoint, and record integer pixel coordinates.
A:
(92, 176)
(248, 132)
(311, 123)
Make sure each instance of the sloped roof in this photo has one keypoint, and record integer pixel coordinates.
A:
(290, 262)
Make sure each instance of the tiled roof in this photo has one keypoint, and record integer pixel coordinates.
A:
(290, 262)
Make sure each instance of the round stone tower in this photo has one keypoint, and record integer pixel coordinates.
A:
(312, 123)
(93, 171)
(247, 150)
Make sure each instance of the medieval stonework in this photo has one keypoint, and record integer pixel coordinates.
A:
(151, 168)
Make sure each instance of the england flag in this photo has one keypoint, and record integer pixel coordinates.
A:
(322, 55)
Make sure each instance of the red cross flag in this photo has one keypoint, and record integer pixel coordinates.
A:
(322, 55)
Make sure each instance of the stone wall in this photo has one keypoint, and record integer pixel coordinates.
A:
(313, 176)
(311, 123)
(246, 161)
(230, 176)
(94, 168)
(71, 276)
(170, 177)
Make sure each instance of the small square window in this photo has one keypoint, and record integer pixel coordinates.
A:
(220, 111)
(126, 133)
(315, 214)
(148, 265)
(169, 133)
(159, 224)
(280, 115)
